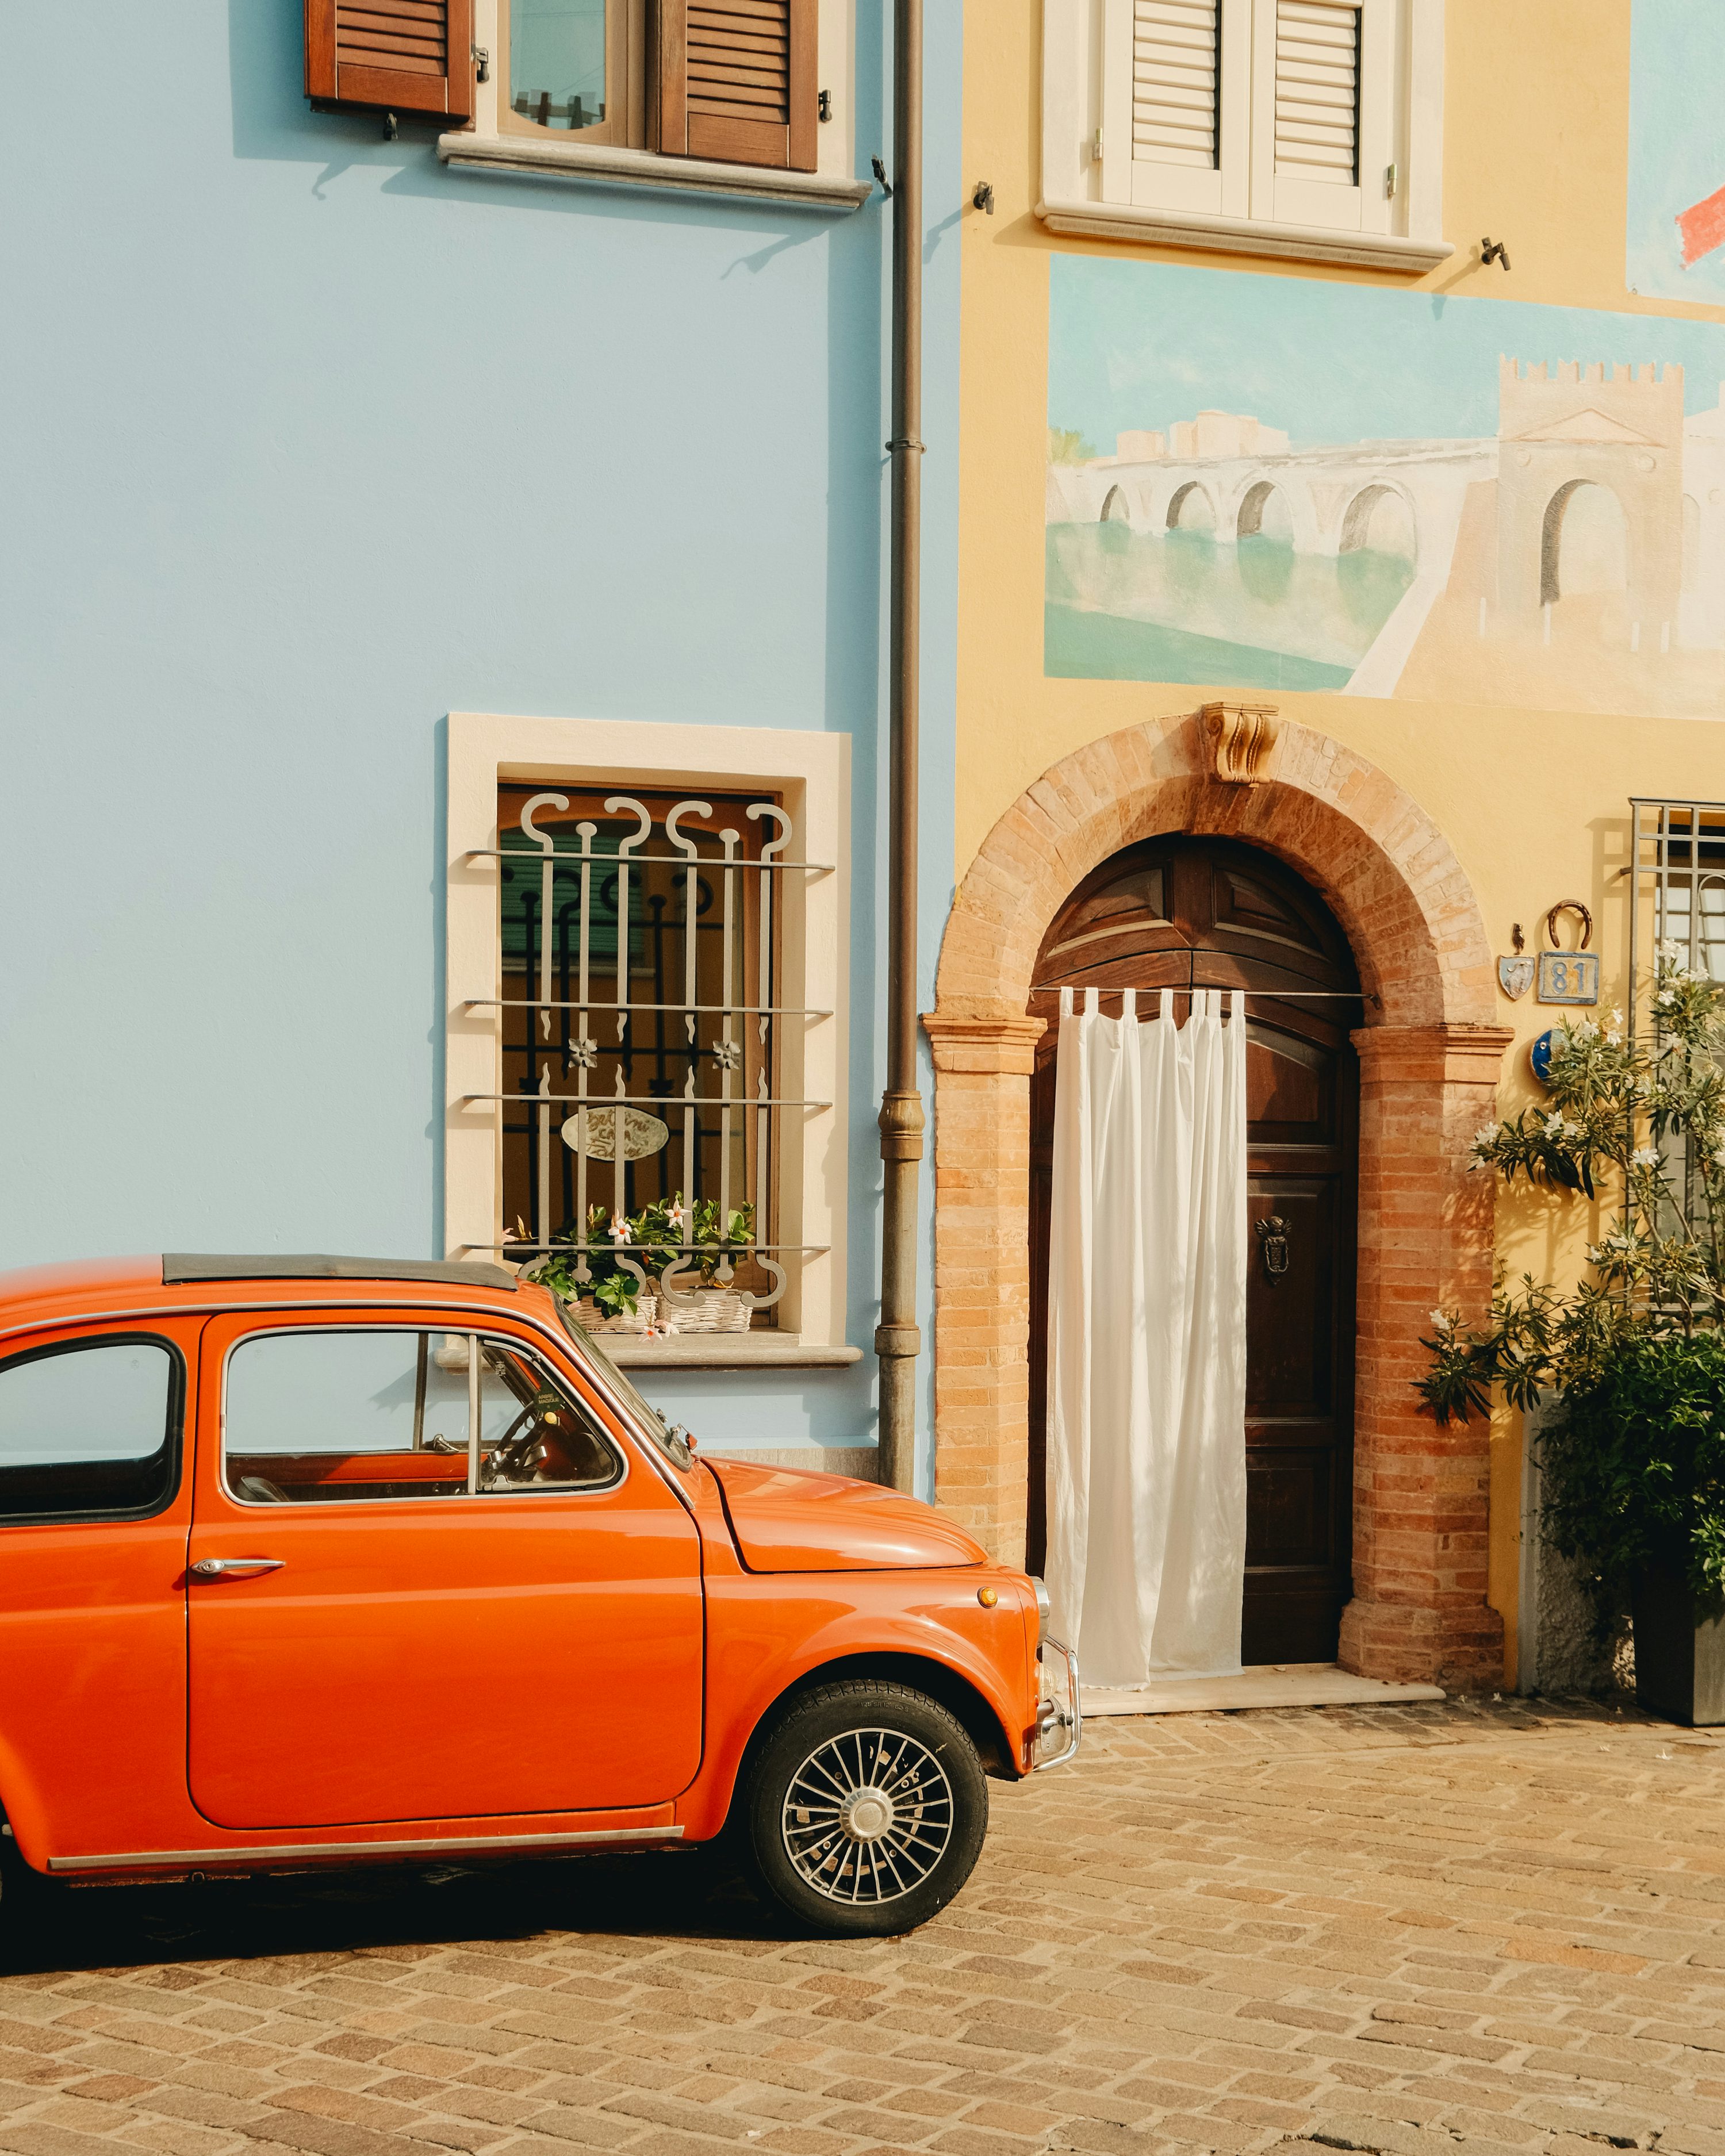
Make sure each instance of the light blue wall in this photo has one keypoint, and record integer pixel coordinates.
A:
(311, 442)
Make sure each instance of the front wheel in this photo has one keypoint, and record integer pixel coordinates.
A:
(864, 1809)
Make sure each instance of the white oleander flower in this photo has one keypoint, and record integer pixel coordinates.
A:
(1585, 1031)
(1645, 1157)
(1442, 1321)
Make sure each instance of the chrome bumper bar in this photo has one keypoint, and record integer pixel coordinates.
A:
(1058, 1722)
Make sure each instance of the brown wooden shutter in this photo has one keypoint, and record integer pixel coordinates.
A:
(409, 55)
(737, 81)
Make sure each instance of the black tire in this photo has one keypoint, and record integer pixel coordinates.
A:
(23, 1892)
(863, 1857)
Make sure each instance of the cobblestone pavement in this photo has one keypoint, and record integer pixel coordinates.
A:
(1425, 1930)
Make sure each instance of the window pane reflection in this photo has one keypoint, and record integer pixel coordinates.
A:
(330, 1417)
(557, 61)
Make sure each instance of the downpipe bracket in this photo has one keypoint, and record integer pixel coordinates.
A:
(901, 1123)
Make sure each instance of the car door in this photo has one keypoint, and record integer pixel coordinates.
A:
(427, 1581)
(94, 1510)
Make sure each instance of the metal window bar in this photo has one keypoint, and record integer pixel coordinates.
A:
(601, 1110)
(740, 1010)
(1677, 872)
(665, 919)
(763, 865)
(608, 1250)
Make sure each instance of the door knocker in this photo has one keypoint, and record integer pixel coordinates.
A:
(1273, 1244)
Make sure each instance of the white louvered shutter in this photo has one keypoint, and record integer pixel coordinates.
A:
(1176, 81)
(1175, 103)
(1317, 92)
(1323, 111)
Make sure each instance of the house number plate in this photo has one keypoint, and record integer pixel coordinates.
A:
(1569, 977)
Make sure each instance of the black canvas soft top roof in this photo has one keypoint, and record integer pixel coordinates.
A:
(179, 1270)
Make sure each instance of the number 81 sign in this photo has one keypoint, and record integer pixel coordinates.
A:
(1569, 977)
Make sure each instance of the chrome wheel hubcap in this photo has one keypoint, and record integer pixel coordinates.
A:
(868, 1816)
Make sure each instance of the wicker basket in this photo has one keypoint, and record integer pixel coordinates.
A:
(706, 1309)
(638, 1321)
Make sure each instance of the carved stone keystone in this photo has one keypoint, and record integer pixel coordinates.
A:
(1242, 740)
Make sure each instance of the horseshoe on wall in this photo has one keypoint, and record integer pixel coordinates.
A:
(1569, 905)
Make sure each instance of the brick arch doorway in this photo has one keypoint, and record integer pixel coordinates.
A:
(1429, 1054)
(1171, 914)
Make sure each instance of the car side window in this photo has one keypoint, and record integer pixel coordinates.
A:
(89, 1430)
(330, 1416)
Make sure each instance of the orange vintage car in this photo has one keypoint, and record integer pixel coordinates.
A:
(313, 1560)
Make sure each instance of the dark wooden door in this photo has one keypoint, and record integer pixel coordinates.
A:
(1176, 914)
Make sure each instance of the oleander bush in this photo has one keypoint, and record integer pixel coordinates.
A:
(1632, 1360)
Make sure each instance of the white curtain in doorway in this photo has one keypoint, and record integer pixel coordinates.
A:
(1146, 1339)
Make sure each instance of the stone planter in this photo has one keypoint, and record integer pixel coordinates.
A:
(1680, 1650)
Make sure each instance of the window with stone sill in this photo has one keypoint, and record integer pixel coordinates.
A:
(724, 81)
(730, 1092)
(1312, 116)
(728, 81)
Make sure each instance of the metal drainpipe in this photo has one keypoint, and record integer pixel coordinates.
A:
(897, 1339)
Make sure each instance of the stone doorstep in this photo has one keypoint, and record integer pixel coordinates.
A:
(1291, 1683)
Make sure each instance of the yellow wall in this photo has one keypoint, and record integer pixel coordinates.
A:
(1533, 801)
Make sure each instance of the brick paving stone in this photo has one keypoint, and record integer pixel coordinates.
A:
(1468, 1929)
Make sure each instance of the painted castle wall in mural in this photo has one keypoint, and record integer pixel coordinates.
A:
(1570, 557)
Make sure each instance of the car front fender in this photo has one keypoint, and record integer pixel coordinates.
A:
(770, 1635)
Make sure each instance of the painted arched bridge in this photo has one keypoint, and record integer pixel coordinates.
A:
(1328, 497)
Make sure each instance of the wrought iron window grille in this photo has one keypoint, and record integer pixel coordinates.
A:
(636, 1085)
(1677, 872)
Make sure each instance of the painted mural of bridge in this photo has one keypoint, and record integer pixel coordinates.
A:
(1577, 555)
(1408, 497)
(1332, 497)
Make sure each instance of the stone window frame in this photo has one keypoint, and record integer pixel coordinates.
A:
(489, 143)
(1085, 102)
(810, 773)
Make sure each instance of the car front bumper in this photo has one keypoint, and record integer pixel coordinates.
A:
(1059, 1716)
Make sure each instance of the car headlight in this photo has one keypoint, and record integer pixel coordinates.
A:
(1042, 1609)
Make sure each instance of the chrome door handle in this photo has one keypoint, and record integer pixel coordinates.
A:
(234, 1568)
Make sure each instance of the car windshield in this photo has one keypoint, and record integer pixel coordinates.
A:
(670, 1440)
